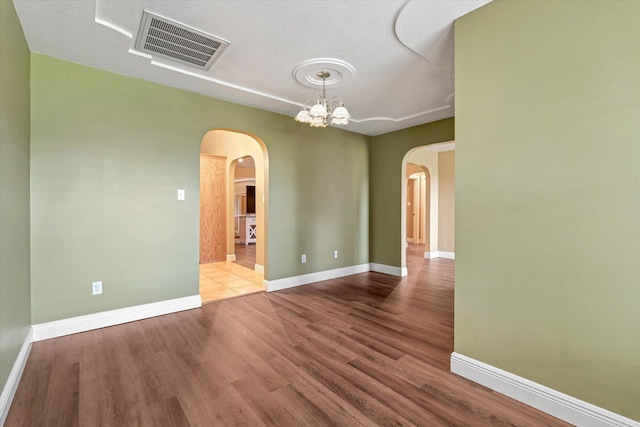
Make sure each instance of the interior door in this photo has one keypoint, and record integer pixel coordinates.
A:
(213, 212)
(409, 210)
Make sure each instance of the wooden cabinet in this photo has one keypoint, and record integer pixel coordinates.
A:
(247, 229)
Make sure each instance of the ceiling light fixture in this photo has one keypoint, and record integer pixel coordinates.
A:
(324, 111)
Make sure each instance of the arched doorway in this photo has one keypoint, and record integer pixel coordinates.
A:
(229, 148)
(426, 159)
(418, 204)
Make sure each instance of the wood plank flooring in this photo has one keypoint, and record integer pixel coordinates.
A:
(246, 255)
(369, 349)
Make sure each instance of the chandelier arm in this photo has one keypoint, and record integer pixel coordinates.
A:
(336, 101)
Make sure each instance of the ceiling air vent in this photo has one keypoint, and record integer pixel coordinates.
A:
(162, 37)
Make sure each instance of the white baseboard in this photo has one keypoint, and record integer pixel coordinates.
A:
(305, 279)
(545, 399)
(103, 319)
(231, 257)
(447, 255)
(258, 268)
(10, 387)
(389, 269)
(440, 254)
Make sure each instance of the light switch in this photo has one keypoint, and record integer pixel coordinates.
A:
(180, 194)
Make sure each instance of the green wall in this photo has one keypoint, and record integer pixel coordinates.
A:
(547, 177)
(15, 308)
(108, 153)
(385, 162)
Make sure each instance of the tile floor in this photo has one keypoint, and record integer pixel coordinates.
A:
(220, 280)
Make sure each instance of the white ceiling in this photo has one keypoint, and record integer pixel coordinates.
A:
(395, 56)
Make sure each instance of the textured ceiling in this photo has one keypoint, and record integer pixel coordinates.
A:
(395, 56)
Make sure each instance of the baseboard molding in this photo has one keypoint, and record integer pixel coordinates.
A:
(74, 325)
(440, 254)
(560, 405)
(258, 268)
(389, 269)
(231, 257)
(10, 387)
(305, 279)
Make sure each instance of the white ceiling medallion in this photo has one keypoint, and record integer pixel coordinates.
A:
(340, 72)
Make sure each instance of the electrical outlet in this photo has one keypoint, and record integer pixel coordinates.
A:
(335, 254)
(303, 258)
(180, 194)
(96, 288)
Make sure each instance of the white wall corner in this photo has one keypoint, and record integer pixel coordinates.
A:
(430, 255)
(258, 268)
(305, 279)
(10, 387)
(545, 399)
(389, 269)
(102, 319)
(231, 257)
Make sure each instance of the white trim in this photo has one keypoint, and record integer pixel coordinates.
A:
(112, 26)
(440, 254)
(389, 269)
(103, 319)
(231, 257)
(10, 387)
(560, 405)
(258, 268)
(305, 279)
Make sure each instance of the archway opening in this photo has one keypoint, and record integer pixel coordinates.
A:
(427, 198)
(233, 211)
(418, 214)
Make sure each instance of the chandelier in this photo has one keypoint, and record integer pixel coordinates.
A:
(324, 111)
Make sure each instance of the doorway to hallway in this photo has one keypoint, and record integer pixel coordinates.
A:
(234, 270)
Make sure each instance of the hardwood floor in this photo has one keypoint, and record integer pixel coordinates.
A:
(246, 255)
(369, 349)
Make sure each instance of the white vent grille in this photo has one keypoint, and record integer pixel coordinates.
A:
(159, 36)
